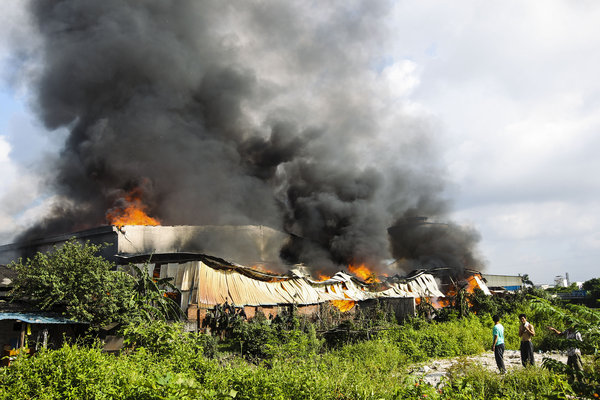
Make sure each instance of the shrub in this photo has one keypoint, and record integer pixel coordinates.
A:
(420, 340)
(251, 339)
(74, 372)
(168, 342)
(261, 340)
(471, 381)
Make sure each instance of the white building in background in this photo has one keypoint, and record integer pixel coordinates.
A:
(560, 281)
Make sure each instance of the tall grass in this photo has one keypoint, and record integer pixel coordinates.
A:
(268, 362)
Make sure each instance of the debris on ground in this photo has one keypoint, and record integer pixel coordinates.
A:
(434, 370)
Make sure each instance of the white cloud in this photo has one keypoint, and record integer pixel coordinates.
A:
(515, 88)
(20, 201)
(542, 239)
(401, 78)
(4, 150)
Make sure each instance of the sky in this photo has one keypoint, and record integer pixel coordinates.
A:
(512, 93)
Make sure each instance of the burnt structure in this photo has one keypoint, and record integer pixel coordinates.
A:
(246, 245)
(212, 265)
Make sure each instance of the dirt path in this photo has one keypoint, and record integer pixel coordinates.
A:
(434, 370)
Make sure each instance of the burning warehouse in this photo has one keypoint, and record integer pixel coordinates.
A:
(215, 123)
(192, 257)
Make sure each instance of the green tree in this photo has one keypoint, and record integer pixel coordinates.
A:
(150, 297)
(526, 281)
(72, 278)
(593, 287)
(482, 303)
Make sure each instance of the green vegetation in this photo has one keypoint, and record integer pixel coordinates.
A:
(289, 358)
(367, 356)
(593, 288)
(76, 281)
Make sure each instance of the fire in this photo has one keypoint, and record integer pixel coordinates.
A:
(441, 302)
(343, 305)
(363, 273)
(472, 284)
(323, 277)
(130, 211)
(262, 268)
(275, 276)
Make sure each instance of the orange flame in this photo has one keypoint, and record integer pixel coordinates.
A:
(343, 305)
(441, 302)
(262, 268)
(265, 269)
(364, 273)
(472, 284)
(322, 277)
(132, 212)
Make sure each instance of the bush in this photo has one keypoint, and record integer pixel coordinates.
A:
(74, 372)
(169, 343)
(420, 340)
(251, 339)
(471, 381)
(261, 340)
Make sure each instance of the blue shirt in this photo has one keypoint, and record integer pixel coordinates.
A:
(498, 331)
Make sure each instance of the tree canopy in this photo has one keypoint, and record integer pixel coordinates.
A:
(84, 286)
(593, 285)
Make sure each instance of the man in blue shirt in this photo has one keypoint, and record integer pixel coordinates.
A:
(498, 344)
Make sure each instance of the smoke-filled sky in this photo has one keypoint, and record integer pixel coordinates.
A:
(329, 121)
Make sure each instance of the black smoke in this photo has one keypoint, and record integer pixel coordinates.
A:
(226, 112)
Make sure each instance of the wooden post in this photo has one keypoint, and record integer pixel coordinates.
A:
(198, 325)
(23, 331)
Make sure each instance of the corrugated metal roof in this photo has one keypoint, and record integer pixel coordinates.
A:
(32, 318)
(205, 284)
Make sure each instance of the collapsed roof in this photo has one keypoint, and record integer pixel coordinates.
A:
(209, 280)
(180, 252)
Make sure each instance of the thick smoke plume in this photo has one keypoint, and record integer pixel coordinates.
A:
(227, 112)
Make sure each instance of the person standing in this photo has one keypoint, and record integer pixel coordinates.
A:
(573, 353)
(498, 343)
(526, 332)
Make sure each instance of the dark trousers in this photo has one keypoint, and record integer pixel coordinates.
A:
(499, 354)
(575, 362)
(527, 353)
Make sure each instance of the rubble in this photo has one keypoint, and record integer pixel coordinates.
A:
(434, 371)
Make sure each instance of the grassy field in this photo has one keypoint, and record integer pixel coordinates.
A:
(294, 359)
